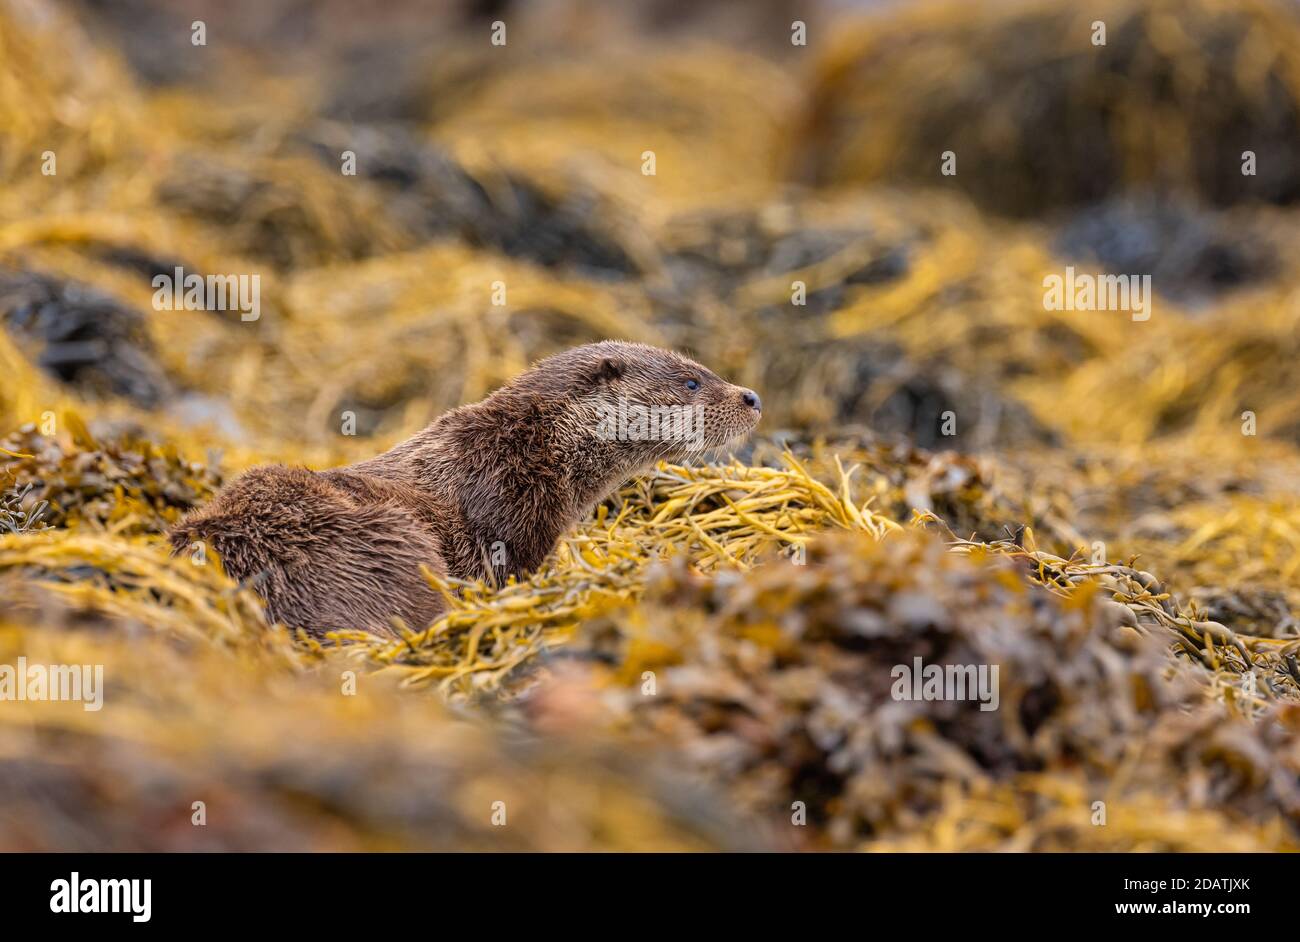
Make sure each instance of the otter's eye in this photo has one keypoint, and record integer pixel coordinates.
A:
(692, 385)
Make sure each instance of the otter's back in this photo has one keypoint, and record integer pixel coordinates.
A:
(327, 551)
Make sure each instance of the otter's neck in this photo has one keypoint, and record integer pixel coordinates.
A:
(515, 471)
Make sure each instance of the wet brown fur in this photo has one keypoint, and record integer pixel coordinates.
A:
(484, 492)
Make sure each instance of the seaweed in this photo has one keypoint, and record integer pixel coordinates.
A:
(1043, 111)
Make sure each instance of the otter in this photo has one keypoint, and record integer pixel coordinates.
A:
(484, 492)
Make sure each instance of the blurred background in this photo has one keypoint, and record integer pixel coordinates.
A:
(789, 142)
(432, 195)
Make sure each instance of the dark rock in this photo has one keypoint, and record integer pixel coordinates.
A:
(82, 337)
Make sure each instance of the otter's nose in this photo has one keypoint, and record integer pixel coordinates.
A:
(750, 398)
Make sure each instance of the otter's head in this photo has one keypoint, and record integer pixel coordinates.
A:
(653, 404)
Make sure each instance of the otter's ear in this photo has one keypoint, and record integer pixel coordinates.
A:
(608, 370)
